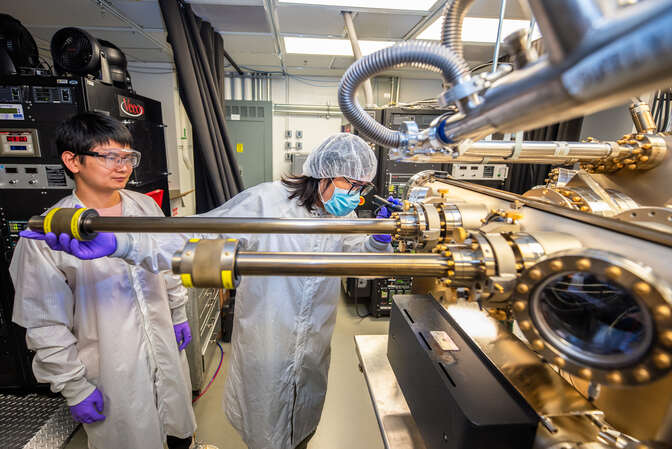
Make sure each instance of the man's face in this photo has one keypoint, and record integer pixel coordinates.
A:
(97, 172)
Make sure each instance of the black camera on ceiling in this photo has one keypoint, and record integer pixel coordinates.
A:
(77, 52)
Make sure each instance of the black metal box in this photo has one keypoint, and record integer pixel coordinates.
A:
(458, 399)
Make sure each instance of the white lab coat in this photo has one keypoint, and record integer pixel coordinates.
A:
(102, 323)
(282, 327)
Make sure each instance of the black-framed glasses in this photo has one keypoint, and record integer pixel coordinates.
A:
(363, 188)
(118, 158)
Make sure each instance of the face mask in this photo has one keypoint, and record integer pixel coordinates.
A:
(341, 203)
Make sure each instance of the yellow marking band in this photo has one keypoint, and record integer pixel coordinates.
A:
(227, 280)
(186, 280)
(194, 240)
(230, 240)
(46, 227)
(74, 223)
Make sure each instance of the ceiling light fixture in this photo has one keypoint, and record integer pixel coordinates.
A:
(416, 5)
(479, 29)
(331, 47)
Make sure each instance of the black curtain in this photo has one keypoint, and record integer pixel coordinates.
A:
(522, 177)
(200, 73)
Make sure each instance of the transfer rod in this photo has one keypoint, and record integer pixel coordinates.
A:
(339, 264)
(530, 152)
(239, 225)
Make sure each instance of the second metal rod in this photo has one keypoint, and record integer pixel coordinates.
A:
(339, 264)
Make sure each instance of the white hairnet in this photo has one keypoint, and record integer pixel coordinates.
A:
(342, 154)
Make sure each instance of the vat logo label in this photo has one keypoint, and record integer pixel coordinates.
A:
(130, 108)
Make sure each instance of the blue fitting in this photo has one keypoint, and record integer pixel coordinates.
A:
(441, 132)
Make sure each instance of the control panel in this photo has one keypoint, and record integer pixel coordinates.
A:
(384, 291)
(19, 143)
(13, 227)
(479, 172)
(14, 176)
(396, 184)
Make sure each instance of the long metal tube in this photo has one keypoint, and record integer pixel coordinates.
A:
(237, 225)
(339, 264)
(492, 151)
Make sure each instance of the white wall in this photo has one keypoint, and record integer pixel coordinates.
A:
(323, 91)
(158, 81)
(315, 129)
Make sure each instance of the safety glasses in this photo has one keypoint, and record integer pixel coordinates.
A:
(115, 158)
(357, 187)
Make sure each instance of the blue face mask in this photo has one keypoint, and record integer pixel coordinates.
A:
(341, 203)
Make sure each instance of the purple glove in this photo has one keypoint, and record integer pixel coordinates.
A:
(182, 334)
(104, 244)
(384, 212)
(90, 409)
(50, 238)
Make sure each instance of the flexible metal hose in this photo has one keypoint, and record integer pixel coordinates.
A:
(424, 55)
(451, 32)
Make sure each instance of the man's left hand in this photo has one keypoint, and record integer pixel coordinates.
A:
(182, 334)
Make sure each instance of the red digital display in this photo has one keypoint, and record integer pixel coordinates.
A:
(17, 138)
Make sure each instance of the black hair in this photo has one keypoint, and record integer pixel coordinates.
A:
(87, 130)
(305, 188)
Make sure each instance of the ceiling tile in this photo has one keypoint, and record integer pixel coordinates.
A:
(61, 13)
(383, 26)
(248, 43)
(310, 20)
(147, 55)
(490, 8)
(249, 19)
(145, 13)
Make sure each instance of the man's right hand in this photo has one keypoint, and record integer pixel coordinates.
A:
(90, 409)
(104, 244)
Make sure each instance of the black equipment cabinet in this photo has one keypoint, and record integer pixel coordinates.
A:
(146, 128)
(458, 399)
(32, 179)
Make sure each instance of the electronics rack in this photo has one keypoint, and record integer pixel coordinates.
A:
(32, 178)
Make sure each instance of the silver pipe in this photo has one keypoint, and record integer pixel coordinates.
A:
(237, 89)
(495, 57)
(530, 152)
(228, 80)
(269, 88)
(339, 264)
(628, 56)
(236, 225)
(357, 52)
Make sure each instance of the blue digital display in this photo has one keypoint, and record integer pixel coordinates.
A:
(17, 148)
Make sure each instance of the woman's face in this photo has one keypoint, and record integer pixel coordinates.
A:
(327, 186)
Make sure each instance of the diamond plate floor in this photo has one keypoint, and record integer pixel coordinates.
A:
(34, 421)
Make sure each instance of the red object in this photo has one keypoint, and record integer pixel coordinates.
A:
(157, 195)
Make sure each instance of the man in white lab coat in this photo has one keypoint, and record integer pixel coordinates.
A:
(104, 333)
(282, 328)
